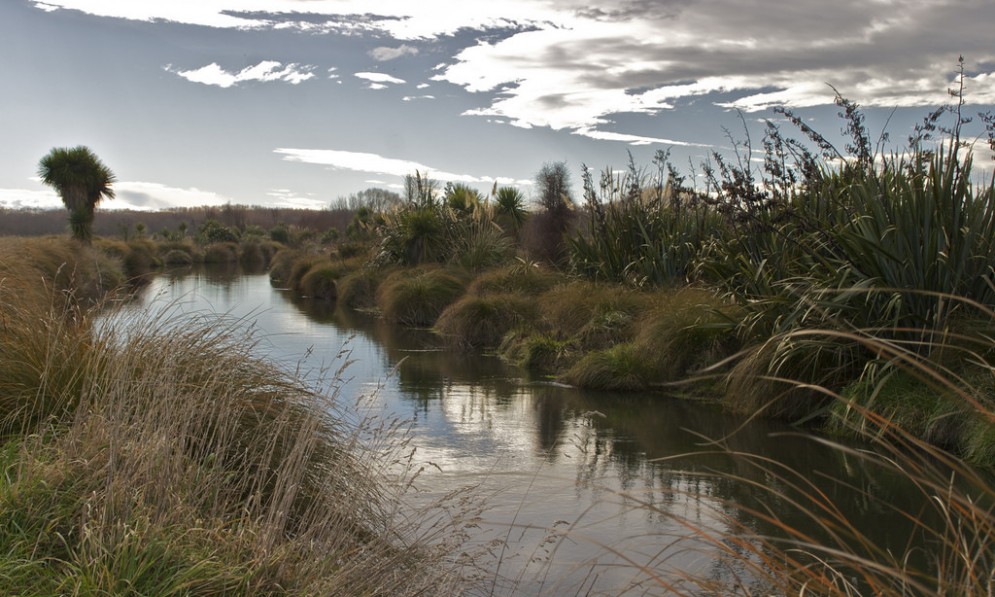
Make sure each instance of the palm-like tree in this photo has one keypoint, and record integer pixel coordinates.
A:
(82, 181)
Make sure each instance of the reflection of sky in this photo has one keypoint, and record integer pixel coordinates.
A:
(548, 457)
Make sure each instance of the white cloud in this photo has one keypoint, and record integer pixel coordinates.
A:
(377, 164)
(572, 64)
(267, 70)
(380, 78)
(29, 199)
(288, 198)
(151, 196)
(141, 196)
(383, 54)
(411, 98)
(631, 139)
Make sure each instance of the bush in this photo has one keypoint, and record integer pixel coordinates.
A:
(213, 231)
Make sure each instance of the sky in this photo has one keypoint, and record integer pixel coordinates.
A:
(296, 103)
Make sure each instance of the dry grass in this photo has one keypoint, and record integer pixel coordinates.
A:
(162, 456)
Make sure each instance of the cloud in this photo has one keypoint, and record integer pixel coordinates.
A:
(151, 196)
(141, 196)
(411, 98)
(377, 164)
(632, 139)
(29, 199)
(380, 79)
(266, 71)
(383, 54)
(573, 64)
(288, 198)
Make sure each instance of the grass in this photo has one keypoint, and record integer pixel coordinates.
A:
(623, 367)
(596, 315)
(417, 297)
(481, 322)
(164, 457)
(358, 289)
(686, 330)
(954, 522)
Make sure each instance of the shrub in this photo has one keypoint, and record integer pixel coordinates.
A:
(213, 231)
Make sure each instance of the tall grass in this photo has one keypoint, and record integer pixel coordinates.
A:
(950, 550)
(163, 456)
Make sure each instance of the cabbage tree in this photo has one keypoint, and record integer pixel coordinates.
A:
(82, 181)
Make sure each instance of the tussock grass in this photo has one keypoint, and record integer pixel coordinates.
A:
(358, 289)
(686, 330)
(221, 252)
(320, 281)
(954, 521)
(163, 457)
(419, 296)
(538, 353)
(481, 322)
(623, 367)
(597, 315)
(522, 279)
(279, 269)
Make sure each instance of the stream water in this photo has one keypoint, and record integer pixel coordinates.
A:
(584, 488)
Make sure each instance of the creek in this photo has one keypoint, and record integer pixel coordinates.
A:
(583, 489)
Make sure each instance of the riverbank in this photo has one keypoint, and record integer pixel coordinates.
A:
(166, 459)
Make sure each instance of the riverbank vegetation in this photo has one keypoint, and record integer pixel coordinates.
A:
(852, 290)
(165, 457)
(738, 281)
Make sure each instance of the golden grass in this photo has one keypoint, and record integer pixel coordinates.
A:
(161, 456)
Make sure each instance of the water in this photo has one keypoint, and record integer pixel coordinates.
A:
(574, 479)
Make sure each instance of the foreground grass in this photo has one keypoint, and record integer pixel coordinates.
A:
(164, 458)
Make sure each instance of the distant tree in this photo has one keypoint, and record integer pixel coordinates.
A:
(375, 198)
(553, 186)
(82, 181)
(213, 231)
(419, 190)
(545, 238)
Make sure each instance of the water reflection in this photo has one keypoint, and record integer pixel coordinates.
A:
(551, 457)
